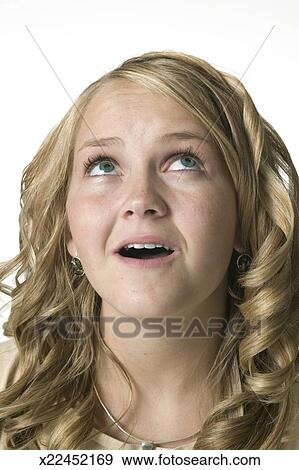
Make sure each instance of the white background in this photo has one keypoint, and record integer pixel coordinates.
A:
(51, 50)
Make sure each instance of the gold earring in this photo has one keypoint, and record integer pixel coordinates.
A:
(77, 267)
(243, 262)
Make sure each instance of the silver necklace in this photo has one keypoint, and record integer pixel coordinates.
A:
(145, 445)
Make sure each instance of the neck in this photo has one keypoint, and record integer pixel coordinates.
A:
(168, 373)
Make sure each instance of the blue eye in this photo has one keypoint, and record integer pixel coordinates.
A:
(105, 163)
(190, 160)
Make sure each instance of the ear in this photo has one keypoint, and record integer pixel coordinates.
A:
(237, 243)
(71, 247)
(70, 244)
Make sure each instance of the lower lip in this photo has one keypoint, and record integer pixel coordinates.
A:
(148, 263)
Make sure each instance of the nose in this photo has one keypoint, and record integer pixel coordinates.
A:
(144, 199)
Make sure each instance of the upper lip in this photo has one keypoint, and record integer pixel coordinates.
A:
(145, 239)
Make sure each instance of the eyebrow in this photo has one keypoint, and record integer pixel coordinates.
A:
(108, 141)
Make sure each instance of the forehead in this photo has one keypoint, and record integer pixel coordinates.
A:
(121, 94)
(121, 106)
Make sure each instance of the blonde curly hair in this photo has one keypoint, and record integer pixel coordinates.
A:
(254, 371)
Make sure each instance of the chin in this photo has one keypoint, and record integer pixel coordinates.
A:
(148, 307)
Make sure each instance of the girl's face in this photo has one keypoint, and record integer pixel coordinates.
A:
(189, 200)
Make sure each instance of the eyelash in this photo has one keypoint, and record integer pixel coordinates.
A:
(94, 160)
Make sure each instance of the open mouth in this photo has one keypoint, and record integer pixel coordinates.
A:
(145, 253)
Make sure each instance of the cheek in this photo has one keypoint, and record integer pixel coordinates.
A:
(87, 214)
(210, 225)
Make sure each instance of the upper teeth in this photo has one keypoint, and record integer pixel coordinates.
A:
(145, 245)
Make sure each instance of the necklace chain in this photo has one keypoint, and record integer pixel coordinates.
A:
(146, 445)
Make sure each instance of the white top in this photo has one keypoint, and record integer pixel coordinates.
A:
(9, 352)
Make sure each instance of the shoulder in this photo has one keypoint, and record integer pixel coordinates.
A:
(7, 345)
(8, 354)
(291, 438)
(8, 349)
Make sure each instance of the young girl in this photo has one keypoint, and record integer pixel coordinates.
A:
(159, 251)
